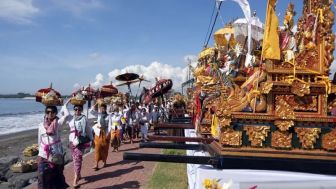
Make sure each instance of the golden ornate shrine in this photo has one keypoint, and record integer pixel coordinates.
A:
(273, 108)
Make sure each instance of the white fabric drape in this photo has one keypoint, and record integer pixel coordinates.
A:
(245, 6)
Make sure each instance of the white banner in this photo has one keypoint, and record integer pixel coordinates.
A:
(245, 6)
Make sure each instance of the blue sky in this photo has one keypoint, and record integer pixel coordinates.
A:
(76, 42)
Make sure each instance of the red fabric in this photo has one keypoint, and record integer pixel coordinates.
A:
(197, 102)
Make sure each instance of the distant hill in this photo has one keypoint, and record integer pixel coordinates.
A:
(18, 95)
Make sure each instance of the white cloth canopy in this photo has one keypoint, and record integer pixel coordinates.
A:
(241, 28)
(245, 6)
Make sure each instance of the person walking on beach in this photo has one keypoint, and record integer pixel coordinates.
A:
(79, 138)
(143, 123)
(102, 134)
(115, 139)
(123, 119)
(50, 168)
(116, 126)
(132, 117)
(154, 119)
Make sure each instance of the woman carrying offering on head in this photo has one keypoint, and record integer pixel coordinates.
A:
(101, 133)
(80, 138)
(51, 155)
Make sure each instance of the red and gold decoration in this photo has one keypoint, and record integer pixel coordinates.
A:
(49, 97)
(308, 136)
(77, 99)
(281, 100)
(257, 134)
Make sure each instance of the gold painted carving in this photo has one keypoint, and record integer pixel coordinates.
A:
(284, 125)
(299, 88)
(315, 34)
(281, 139)
(205, 128)
(266, 87)
(257, 134)
(308, 136)
(230, 137)
(283, 109)
(225, 122)
(305, 103)
(329, 140)
(296, 103)
(207, 116)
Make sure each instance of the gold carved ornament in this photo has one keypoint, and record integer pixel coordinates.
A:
(308, 136)
(257, 134)
(281, 139)
(303, 106)
(282, 109)
(230, 137)
(301, 87)
(266, 87)
(205, 128)
(284, 125)
(329, 140)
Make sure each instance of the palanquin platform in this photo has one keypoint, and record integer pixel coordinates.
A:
(275, 114)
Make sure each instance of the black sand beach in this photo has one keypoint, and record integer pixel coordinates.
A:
(15, 143)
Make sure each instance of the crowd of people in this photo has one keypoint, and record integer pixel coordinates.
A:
(114, 125)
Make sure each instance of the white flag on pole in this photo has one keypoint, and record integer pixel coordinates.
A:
(245, 6)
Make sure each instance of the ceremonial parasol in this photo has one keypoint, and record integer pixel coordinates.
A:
(40, 94)
(108, 90)
(127, 77)
(222, 36)
(89, 92)
(128, 83)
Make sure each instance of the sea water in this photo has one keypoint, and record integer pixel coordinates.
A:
(20, 114)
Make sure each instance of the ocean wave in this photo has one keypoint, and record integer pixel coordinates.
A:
(20, 113)
(13, 124)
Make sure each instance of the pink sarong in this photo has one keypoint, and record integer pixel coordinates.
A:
(77, 157)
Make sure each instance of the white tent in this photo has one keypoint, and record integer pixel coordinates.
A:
(257, 29)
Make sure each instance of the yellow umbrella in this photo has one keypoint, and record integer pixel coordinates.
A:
(220, 34)
(206, 52)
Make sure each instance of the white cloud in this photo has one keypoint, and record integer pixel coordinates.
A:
(17, 11)
(190, 59)
(78, 7)
(150, 72)
(99, 81)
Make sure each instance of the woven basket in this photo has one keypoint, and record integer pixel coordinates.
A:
(52, 102)
(29, 152)
(75, 101)
(20, 168)
(33, 164)
(100, 101)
